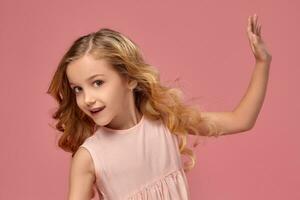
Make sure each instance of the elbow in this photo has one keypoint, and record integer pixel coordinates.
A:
(243, 124)
(248, 126)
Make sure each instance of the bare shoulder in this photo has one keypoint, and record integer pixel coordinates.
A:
(83, 161)
(82, 175)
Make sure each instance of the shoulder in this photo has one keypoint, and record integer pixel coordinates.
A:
(82, 161)
(82, 175)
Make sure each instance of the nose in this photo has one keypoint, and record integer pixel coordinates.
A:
(89, 100)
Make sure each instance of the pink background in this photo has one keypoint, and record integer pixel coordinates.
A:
(203, 43)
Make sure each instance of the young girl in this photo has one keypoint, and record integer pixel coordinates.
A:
(125, 130)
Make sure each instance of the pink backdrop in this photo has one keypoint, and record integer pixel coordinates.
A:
(204, 43)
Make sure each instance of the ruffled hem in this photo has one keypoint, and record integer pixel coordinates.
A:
(172, 186)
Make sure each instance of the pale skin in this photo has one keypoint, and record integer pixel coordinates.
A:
(244, 115)
(110, 90)
(242, 118)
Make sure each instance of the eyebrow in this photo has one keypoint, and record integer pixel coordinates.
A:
(91, 77)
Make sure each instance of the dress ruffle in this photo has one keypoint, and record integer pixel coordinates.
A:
(169, 187)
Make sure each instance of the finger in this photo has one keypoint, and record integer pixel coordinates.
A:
(259, 31)
(255, 23)
(249, 26)
(252, 24)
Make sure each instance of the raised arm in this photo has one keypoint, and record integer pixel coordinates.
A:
(244, 115)
(82, 176)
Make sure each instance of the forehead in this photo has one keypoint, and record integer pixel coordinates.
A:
(85, 67)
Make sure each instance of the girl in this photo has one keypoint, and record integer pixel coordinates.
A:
(125, 130)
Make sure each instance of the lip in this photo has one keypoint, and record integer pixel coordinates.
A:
(96, 109)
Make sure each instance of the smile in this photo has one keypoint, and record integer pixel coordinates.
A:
(96, 111)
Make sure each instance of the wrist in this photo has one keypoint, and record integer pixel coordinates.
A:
(266, 60)
(263, 64)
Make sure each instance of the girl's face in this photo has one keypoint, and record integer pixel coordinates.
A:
(97, 85)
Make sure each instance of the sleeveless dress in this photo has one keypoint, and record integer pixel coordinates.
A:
(139, 163)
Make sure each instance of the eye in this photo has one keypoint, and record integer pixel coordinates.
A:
(74, 90)
(99, 82)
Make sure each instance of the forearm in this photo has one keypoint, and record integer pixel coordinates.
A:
(251, 103)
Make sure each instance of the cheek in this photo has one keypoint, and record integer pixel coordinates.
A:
(79, 103)
(116, 96)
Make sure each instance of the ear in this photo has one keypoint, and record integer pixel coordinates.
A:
(131, 84)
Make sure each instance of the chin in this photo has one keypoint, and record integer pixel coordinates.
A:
(102, 122)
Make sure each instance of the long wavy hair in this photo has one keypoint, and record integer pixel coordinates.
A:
(153, 99)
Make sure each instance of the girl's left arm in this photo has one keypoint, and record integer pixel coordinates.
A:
(244, 116)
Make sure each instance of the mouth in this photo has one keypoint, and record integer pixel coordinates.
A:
(96, 110)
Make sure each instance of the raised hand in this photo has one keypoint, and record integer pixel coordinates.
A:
(257, 44)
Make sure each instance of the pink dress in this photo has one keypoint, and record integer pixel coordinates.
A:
(139, 163)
